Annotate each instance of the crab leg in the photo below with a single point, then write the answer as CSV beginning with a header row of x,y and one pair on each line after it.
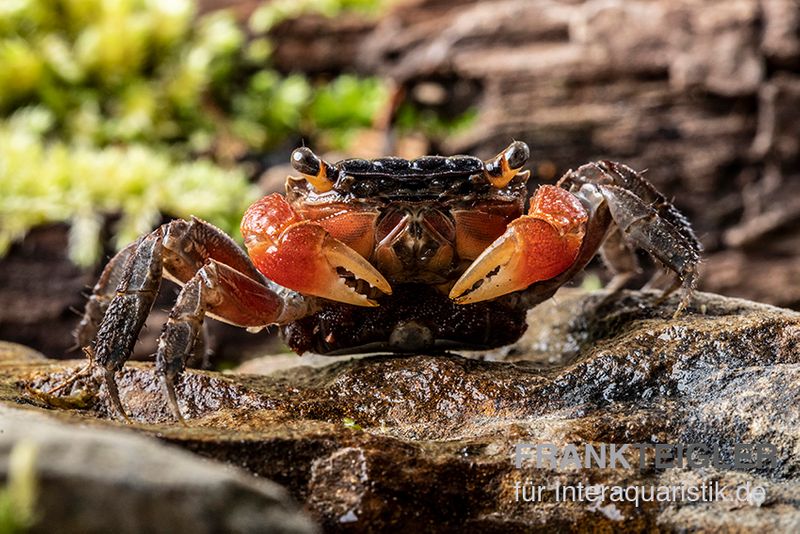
x,y
102,293
221,292
642,226
183,239
643,217
534,247
183,250
128,310
620,259
303,256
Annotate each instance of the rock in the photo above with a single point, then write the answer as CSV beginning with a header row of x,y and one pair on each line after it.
x,y
428,441
91,479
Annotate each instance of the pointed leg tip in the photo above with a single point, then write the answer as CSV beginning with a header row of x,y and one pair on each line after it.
x,y
172,398
683,305
113,395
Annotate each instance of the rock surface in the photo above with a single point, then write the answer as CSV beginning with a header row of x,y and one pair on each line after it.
x,y
377,442
91,479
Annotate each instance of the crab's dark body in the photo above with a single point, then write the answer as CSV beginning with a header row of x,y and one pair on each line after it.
x,y
431,177
415,319
426,178
422,195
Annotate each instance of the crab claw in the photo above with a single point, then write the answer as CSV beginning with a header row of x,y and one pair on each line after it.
x,y
301,255
535,247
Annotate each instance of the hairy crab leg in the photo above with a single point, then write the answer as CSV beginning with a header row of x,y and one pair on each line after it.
x,y
609,173
179,250
183,238
302,255
102,293
537,246
642,226
620,259
644,217
128,311
201,355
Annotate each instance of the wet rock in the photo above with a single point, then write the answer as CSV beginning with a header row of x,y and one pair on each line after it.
x,y
91,479
428,441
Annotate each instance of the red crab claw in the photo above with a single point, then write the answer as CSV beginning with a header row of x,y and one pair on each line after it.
x,y
535,247
303,256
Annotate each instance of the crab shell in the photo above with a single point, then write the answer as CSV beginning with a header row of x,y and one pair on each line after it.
x,y
411,254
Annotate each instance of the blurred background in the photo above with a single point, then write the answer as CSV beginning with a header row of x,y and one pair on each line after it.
x,y
116,115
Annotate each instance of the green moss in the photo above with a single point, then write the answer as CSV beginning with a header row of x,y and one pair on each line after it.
x,y
344,106
351,424
153,72
591,282
272,13
432,124
43,182
108,105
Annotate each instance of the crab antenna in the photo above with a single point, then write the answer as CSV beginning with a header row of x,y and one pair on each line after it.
x,y
503,167
313,168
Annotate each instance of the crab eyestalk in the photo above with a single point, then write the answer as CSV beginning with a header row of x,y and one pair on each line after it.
x,y
535,247
501,169
313,168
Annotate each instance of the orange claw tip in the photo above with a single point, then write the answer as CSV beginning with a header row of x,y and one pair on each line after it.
x,y
500,256
339,291
530,250
340,255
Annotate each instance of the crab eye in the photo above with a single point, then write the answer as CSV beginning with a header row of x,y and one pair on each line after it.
x,y
517,154
313,169
503,167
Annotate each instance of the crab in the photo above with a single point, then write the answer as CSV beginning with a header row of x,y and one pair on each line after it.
x,y
430,254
